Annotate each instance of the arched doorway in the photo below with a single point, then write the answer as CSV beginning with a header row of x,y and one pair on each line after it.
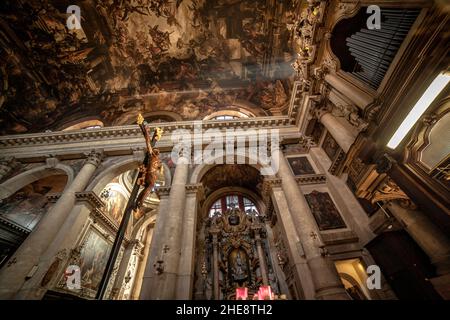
x,y
233,247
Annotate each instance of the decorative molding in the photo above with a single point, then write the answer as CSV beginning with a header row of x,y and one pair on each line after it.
x,y
338,163
338,237
91,198
53,197
311,179
269,183
13,225
112,225
387,190
133,131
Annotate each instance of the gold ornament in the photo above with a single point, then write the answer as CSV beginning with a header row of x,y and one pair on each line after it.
x,y
140,119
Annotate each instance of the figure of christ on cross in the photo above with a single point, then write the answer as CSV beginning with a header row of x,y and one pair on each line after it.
x,y
150,169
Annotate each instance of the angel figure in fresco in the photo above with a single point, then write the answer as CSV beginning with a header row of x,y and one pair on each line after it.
x,y
148,172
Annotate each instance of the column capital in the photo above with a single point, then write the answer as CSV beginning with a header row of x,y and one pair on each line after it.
x,y
94,157
163,192
320,112
270,183
196,190
384,163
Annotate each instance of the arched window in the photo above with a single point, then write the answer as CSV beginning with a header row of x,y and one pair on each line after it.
x,y
229,115
85,125
233,201
225,118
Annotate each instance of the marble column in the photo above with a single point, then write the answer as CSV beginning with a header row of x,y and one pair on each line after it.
x,y
185,280
24,263
141,267
155,251
216,267
164,284
343,135
261,258
324,274
297,262
426,234
352,92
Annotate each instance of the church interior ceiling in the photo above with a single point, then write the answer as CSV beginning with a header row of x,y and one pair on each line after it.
x,y
191,57
232,175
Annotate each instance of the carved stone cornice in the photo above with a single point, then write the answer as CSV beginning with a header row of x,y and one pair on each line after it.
x,y
132,131
338,163
311,179
12,225
105,219
91,198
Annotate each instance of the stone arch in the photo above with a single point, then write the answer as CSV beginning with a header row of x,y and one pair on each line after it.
x,y
239,108
12,185
114,170
82,124
131,118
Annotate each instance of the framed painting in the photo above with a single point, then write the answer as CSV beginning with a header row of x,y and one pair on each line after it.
x,y
325,212
330,146
93,258
300,165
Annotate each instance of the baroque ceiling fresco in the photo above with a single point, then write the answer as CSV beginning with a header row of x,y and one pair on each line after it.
x,y
190,57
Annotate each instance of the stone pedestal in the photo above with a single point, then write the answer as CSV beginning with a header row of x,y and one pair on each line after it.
x,y
324,274
27,257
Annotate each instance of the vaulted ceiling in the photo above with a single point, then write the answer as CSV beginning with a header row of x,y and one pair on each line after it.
x,y
190,57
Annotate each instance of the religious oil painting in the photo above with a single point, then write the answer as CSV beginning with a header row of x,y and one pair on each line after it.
x,y
330,146
300,166
94,256
325,212
115,200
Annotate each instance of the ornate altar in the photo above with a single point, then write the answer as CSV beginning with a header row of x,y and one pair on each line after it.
x,y
236,254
